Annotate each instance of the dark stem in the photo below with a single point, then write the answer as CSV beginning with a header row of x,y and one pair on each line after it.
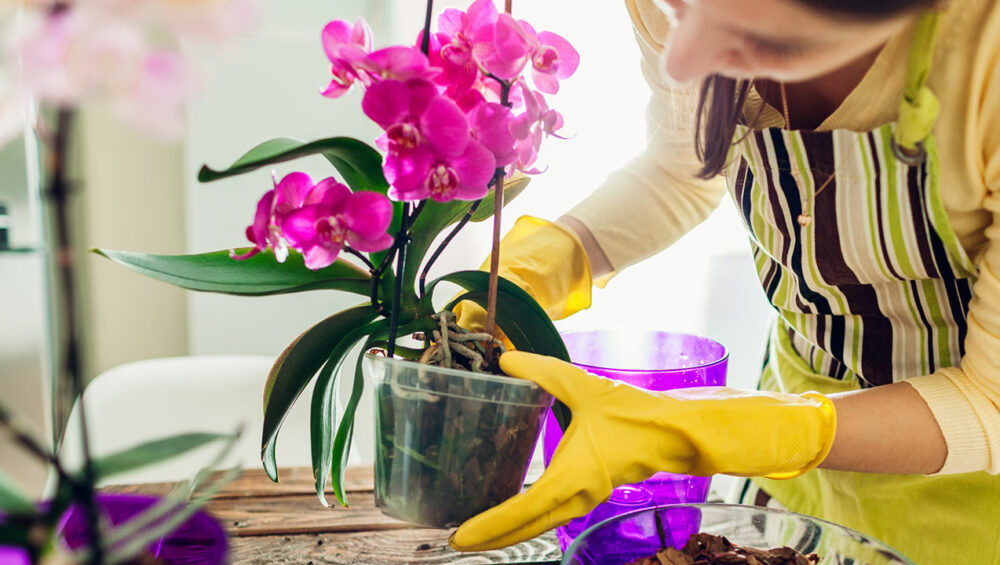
x,y
402,239
425,42
58,192
506,6
25,439
361,256
447,240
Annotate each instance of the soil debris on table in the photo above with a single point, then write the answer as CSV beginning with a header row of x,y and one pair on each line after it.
x,y
708,549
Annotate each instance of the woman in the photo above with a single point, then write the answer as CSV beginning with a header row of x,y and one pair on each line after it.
x,y
861,142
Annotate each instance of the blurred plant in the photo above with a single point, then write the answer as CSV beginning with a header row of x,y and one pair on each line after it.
x,y
461,111
55,56
33,529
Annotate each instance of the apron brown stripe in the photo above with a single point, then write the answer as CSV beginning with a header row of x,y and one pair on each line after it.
x,y
931,345
920,221
878,190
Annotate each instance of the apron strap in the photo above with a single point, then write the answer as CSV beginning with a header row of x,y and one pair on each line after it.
x,y
918,110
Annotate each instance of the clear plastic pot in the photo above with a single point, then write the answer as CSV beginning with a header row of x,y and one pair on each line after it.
x,y
450,443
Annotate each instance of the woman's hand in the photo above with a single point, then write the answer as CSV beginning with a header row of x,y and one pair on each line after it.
x,y
621,434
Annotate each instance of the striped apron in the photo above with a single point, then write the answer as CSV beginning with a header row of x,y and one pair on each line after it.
x,y
871,286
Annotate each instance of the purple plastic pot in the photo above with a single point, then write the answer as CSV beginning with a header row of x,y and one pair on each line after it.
x,y
198,541
653,361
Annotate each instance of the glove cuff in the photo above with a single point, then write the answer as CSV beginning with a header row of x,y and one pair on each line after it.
x,y
828,415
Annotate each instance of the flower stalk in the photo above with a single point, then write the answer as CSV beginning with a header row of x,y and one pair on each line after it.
x,y
58,192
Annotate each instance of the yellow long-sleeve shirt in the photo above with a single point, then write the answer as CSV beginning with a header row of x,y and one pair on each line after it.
x,y
655,199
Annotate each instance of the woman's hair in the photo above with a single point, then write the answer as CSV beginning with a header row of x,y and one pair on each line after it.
x,y
720,103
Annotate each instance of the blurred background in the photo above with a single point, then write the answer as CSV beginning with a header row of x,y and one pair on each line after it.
x,y
139,193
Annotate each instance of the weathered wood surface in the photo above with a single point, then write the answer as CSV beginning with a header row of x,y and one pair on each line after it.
x,y
277,523
416,546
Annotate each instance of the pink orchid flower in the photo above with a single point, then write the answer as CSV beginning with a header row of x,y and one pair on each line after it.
x,y
333,217
263,232
552,57
345,45
463,40
529,128
398,62
431,152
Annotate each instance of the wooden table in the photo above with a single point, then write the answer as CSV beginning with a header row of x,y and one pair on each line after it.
x,y
276,523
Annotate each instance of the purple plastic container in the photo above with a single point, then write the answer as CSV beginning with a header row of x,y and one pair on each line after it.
x,y
198,541
653,361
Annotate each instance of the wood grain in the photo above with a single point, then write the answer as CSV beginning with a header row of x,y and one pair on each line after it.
x,y
283,523
416,546
299,514
254,482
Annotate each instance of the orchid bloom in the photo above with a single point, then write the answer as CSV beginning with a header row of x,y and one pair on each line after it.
x,y
530,126
398,63
318,219
345,45
463,40
332,217
431,151
551,57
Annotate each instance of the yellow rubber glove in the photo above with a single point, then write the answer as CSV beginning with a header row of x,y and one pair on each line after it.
x,y
621,434
545,259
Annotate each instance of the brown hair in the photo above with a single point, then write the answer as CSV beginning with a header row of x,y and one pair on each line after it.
x,y
720,102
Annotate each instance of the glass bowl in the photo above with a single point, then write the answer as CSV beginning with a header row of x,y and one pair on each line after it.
x,y
642,533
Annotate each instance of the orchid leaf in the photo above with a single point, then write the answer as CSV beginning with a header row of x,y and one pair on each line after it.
x,y
296,366
259,275
359,163
437,216
151,452
12,499
345,431
323,418
512,187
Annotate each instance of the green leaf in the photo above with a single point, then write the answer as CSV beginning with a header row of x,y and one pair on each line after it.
x,y
151,452
436,216
12,499
359,163
259,275
323,418
512,187
296,366
345,431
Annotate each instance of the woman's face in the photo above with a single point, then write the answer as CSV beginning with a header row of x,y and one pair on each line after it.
x,y
782,40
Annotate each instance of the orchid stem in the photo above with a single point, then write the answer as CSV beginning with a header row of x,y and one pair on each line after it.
x,y
491,296
361,256
401,240
425,41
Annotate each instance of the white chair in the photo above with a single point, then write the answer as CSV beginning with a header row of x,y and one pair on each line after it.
x,y
152,399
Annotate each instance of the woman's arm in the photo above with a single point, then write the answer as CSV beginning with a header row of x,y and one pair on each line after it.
x,y
907,440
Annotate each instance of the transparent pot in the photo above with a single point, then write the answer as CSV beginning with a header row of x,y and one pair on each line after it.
x,y
450,443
